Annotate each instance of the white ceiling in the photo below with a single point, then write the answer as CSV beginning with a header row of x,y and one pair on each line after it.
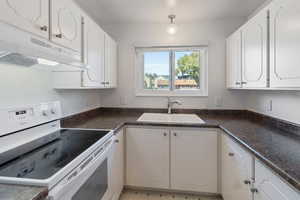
x,y
156,11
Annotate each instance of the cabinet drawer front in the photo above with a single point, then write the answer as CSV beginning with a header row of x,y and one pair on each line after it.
x,y
271,187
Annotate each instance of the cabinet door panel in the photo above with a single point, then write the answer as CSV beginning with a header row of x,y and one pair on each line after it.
x,y
194,160
29,15
254,51
66,24
118,166
234,62
94,54
236,168
147,158
285,43
270,187
110,62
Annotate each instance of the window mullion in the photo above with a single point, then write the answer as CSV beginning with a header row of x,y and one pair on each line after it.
x,y
172,69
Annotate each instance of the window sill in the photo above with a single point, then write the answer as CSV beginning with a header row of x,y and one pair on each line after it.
x,y
171,94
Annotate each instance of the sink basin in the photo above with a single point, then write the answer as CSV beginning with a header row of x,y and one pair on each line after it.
x,y
171,118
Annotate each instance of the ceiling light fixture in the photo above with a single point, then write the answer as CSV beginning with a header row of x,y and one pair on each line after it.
x,y
172,28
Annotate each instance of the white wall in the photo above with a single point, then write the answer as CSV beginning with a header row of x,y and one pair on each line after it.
x,y
22,86
285,104
214,32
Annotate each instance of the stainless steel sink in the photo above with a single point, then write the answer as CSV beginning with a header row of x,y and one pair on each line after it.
x,y
171,118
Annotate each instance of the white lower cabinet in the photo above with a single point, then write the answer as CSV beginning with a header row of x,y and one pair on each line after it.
x,y
165,158
118,166
194,160
147,158
246,178
270,187
236,171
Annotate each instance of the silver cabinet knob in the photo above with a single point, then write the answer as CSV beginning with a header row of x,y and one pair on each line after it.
x,y
165,134
117,141
238,83
175,134
58,35
254,190
243,83
247,182
44,28
231,154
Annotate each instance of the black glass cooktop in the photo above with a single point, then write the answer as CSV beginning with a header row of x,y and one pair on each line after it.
x,y
46,160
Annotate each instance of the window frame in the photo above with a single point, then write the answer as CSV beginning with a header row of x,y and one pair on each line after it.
x,y
171,91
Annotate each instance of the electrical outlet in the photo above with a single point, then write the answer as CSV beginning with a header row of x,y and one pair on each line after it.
x,y
269,106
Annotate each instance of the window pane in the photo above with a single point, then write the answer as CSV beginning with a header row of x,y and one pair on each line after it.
x,y
187,70
156,70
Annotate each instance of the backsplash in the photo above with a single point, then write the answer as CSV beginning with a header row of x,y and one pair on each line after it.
x,y
21,86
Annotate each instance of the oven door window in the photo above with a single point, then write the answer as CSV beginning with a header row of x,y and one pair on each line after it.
x,y
96,186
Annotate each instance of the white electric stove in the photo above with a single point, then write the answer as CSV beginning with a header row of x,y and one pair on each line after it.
x,y
34,150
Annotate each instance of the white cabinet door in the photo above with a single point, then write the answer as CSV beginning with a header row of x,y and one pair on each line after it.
x,y
147,158
285,44
94,54
66,23
110,62
270,187
236,171
234,60
29,15
254,51
118,166
194,160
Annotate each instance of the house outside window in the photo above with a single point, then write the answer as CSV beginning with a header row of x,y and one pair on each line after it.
x,y
171,71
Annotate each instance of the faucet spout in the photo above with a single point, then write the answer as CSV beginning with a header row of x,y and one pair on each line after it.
x,y
171,103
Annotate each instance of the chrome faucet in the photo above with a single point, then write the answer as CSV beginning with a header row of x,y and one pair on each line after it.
x,y
171,103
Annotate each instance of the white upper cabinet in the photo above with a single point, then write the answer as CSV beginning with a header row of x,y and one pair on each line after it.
x,y
285,44
254,51
236,171
234,60
66,24
111,49
28,15
270,187
194,160
94,50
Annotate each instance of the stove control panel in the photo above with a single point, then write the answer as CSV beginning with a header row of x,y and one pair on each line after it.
x,y
15,119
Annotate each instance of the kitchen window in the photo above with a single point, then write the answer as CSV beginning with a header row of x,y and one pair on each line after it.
x,y
171,71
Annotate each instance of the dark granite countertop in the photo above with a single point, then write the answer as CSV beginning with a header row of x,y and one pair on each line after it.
x,y
275,142
18,192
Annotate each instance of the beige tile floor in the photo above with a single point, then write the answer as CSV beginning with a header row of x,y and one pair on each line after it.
x,y
144,195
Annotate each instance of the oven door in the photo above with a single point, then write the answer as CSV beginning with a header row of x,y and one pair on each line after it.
x,y
91,183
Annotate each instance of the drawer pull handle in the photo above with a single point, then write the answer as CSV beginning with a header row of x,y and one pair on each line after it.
x,y
254,190
165,134
247,182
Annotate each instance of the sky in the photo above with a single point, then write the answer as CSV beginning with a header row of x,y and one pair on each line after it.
x,y
158,62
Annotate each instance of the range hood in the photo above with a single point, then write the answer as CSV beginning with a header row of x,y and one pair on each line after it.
x,y
25,49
